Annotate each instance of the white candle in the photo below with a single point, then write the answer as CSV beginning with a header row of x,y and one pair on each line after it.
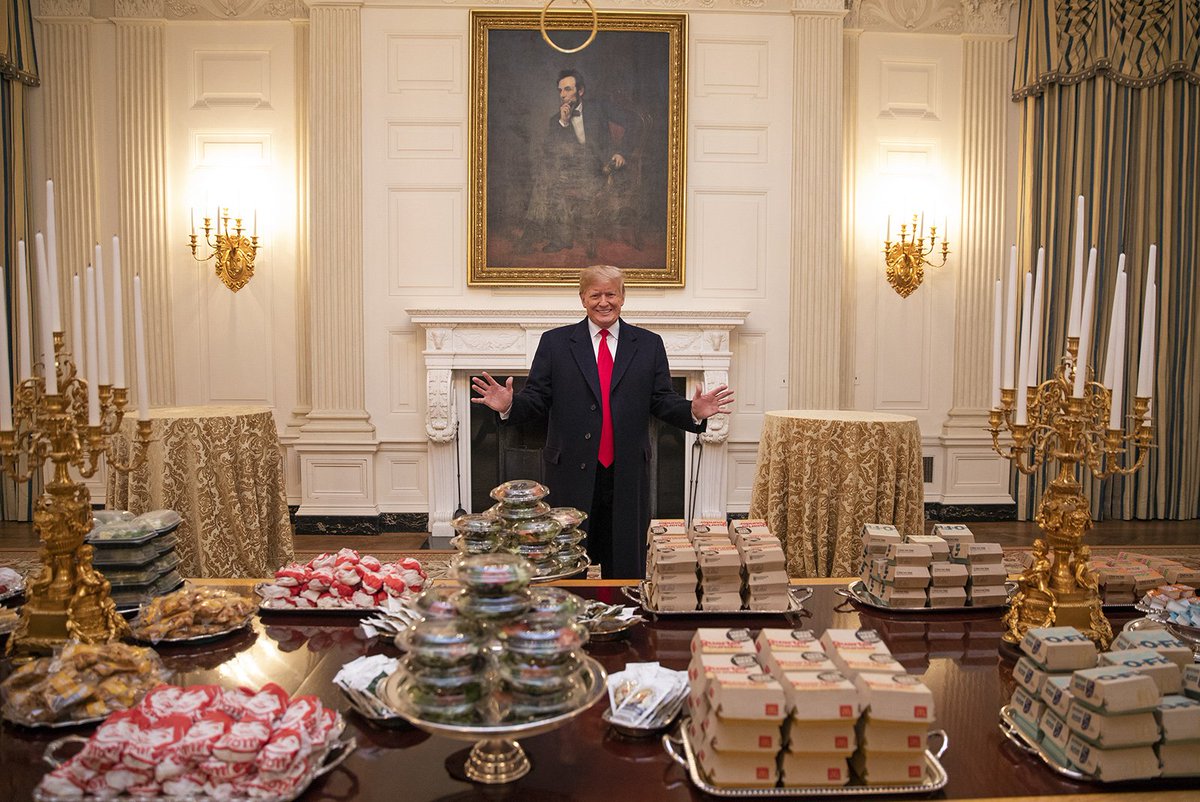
x,y
139,351
1118,362
6,420
1035,322
192,214
997,337
89,311
52,252
77,327
49,364
1145,381
24,328
1022,396
1077,274
118,317
101,321
1110,353
1010,320
1085,326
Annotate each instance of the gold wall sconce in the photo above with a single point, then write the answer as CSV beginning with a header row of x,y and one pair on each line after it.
x,y
231,249
907,258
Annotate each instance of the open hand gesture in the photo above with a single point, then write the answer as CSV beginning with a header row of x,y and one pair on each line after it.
x,y
705,405
494,395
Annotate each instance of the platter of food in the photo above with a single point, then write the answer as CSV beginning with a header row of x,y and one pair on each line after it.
x,y
192,616
342,583
856,591
640,595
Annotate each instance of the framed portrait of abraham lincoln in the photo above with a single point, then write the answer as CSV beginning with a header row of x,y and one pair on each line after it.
x,y
576,158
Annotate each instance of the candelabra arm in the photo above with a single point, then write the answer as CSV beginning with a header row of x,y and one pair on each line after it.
x,y
139,450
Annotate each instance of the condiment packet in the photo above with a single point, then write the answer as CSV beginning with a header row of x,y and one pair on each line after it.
x,y
391,624
644,693
363,673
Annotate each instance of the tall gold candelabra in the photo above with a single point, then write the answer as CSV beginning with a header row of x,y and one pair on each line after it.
x,y
232,252
68,599
1059,588
907,257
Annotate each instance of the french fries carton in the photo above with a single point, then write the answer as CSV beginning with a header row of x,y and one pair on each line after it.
x,y
1160,640
987,595
976,553
814,769
1059,648
888,768
737,735
947,575
667,526
953,533
906,577
715,640
821,696
916,554
1112,765
1178,718
1115,731
1056,694
947,597
1110,690
938,547
986,574
876,735
895,697
1179,758
750,696
1165,673
737,768
831,737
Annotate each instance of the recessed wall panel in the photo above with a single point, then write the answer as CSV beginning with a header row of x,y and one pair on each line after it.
x,y
902,358
751,371
425,63
730,144
231,78
404,363
730,240
425,238
728,67
909,89
408,139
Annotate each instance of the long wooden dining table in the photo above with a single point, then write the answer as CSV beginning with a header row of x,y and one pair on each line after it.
x,y
959,655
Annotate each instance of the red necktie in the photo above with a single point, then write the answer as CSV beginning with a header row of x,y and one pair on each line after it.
x,y
604,363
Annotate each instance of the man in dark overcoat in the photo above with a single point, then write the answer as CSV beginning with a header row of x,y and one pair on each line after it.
x,y
597,454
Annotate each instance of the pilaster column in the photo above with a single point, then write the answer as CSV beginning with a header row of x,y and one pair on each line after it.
x,y
300,73
142,184
817,251
851,34
974,473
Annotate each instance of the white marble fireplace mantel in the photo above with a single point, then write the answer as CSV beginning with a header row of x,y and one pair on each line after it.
x,y
461,341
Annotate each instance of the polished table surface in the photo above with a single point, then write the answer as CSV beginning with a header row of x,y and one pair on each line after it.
x,y
822,474
959,656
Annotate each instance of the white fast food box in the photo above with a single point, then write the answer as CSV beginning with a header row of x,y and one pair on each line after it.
x,y
1055,730
865,640
786,662
909,554
1112,732
1110,689
1059,648
1029,675
752,696
667,526
987,595
834,737
735,735
713,640
1027,706
1191,681
905,576
938,547
947,574
947,597
1160,640
953,533
704,666
821,696
891,736
787,640
854,663
721,601
1179,759
886,530
1112,765
895,697
1179,719
977,553
1165,673
889,768
814,769
1056,693
986,574
737,768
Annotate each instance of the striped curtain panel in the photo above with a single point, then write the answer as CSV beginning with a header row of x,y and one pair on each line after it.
x,y
18,72
1110,95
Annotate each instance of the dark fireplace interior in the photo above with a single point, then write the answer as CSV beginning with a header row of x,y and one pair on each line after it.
x,y
502,453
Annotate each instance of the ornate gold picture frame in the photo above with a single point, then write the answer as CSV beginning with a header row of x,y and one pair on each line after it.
x,y
577,158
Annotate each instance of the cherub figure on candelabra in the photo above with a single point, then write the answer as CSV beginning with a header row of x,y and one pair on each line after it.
x,y
1034,590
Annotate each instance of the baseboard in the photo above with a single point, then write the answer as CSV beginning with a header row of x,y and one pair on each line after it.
x,y
358,524
966,513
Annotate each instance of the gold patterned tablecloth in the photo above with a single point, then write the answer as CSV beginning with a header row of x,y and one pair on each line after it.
x,y
823,474
222,470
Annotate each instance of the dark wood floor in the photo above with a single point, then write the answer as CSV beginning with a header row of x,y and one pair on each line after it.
x,y
1007,533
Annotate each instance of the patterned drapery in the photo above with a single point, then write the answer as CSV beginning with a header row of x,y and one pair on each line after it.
x,y
18,71
1110,95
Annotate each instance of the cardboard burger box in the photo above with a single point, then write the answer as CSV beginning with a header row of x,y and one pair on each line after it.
x,y
1056,694
746,696
947,574
1191,681
821,696
1112,765
884,530
888,768
905,576
721,601
948,597
749,526
763,558
1115,731
1160,640
716,561
673,582
916,554
670,600
737,735
977,553
667,526
737,768
953,533
893,596
1178,759
703,666
767,602
1182,575
708,526
986,574
1165,673
744,542
1179,719
814,769
854,663
938,547
987,595
1110,689
875,735
673,557
1059,648
1027,707
1055,731
715,640
895,697
787,640
830,737
788,662
865,640
1115,579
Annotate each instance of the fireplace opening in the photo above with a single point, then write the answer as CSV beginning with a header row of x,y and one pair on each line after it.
x,y
502,453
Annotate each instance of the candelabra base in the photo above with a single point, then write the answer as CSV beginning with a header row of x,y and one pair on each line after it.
x,y
1032,608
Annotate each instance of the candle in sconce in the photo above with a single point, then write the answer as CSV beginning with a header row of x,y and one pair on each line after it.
x,y
1110,352
1118,359
89,311
101,321
192,215
1010,320
887,235
52,253
1145,379
24,327
1073,320
139,351
1035,323
77,327
6,418
118,303
49,363
1022,417
1085,326
997,337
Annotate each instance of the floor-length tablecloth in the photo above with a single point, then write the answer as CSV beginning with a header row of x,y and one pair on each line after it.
x,y
222,470
822,474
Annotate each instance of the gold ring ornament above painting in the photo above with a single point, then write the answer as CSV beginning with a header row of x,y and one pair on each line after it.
x,y
546,34
232,252
907,258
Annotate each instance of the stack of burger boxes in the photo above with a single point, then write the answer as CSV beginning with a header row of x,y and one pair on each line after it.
x,y
720,565
905,578
671,564
893,729
947,580
1112,723
1127,577
1042,701
954,534
875,540
764,567
985,572
737,710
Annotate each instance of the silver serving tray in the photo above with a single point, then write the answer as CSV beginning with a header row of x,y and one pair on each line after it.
x,y
294,611
55,725
581,566
612,633
1022,741
191,640
680,750
856,592
797,595
364,705
660,725
335,752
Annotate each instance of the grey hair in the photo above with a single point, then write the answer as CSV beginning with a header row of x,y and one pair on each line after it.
x,y
601,273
